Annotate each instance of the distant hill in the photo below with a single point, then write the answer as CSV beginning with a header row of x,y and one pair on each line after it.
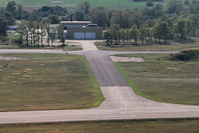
x,y
73,3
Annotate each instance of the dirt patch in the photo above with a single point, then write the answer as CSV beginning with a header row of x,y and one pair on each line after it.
x,y
11,58
126,59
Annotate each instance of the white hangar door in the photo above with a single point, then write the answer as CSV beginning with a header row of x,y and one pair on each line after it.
x,y
90,35
79,35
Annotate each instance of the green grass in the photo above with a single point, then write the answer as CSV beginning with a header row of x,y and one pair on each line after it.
x,y
47,81
159,126
73,3
162,80
173,46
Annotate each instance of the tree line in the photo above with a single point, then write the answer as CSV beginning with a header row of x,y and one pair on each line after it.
x,y
177,20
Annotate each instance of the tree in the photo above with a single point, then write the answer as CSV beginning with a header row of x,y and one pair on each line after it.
x,y
61,35
121,18
180,30
195,8
52,36
24,32
32,32
53,19
189,29
9,17
99,16
134,33
149,4
3,25
142,32
137,18
79,16
162,31
175,6
195,23
158,10
12,8
107,37
114,34
47,29
19,12
85,7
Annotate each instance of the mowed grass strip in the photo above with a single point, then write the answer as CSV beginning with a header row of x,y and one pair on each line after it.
x,y
162,80
47,81
159,126
172,46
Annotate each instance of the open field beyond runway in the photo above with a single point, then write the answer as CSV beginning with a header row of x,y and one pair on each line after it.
x,y
162,80
73,3
47,81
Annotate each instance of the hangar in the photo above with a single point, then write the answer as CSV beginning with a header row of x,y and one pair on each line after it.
x,y
82,30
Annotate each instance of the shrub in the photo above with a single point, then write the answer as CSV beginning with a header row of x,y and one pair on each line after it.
x,y
185,55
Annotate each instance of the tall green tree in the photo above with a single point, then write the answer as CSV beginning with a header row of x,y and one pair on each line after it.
x,y
53,19
121,18
115,34
19,12
134,33
12,8
9,17
3,25
162,31
99,16
175,6
85,7
61,35
180,30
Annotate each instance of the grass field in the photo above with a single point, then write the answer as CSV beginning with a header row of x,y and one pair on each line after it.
x,y
159,126
173,46
162,80
73,3
47,81
66,48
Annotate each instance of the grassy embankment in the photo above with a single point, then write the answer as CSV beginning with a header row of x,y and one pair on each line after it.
x,y
47,81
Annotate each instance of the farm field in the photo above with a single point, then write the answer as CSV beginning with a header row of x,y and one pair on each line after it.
x,y
73,3
162,80
47,81
158,126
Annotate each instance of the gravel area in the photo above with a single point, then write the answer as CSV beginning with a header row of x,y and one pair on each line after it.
x,y
126,59
11,58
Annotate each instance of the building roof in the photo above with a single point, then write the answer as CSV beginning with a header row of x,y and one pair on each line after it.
x,y
12,27
53,25
75,22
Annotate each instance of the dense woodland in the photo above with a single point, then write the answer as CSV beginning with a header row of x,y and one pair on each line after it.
x,y
156,23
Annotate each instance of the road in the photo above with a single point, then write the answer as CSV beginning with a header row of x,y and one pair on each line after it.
x,y
120,101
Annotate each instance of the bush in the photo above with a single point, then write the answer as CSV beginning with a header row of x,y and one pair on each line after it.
x,y
149,4
185,55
